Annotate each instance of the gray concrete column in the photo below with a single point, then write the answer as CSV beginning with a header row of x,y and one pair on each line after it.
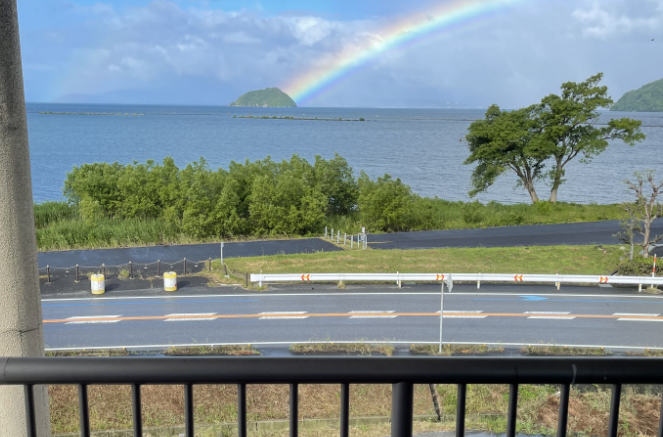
x,y
20,307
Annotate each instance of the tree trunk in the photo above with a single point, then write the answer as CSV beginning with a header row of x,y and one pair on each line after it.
x,y
436,403
645,242
532,192
557,181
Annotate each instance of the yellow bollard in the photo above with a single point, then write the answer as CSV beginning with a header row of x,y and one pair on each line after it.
x,y
170,281
98,284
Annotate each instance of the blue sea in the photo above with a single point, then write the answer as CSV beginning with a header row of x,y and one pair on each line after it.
x,y
425,148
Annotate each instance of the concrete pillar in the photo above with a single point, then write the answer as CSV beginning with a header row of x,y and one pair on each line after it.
x,y
20,307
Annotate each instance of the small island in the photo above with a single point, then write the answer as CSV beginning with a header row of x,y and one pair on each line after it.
x,y
648,98
267,98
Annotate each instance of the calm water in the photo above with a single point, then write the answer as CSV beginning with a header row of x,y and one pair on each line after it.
x,y
420,146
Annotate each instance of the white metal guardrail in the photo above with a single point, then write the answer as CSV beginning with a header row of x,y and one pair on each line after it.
x,y
457,277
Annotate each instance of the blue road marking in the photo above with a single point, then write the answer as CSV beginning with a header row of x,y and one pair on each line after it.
x,y
529,298
146,303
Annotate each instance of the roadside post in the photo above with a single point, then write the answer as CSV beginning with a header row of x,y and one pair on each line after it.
x,y
441,313
345,238
338,237
352,240
558,284
325,231
222,253
653,270
331,236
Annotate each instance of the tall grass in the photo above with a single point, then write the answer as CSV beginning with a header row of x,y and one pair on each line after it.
x,y
434,214
60,227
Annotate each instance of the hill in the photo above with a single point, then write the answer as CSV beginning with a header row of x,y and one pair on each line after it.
x,y
648,98
268,98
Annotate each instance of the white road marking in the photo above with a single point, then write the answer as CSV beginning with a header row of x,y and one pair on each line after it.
x,y
461,311
547,312
283,312
551,317
181,317
464,317
626,319
282,315
635,314
365,315
423,293
80,320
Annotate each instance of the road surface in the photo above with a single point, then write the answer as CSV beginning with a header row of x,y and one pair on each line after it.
x,y
383,314
598,233
540,235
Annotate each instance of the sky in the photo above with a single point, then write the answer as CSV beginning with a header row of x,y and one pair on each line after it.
x,y
208,52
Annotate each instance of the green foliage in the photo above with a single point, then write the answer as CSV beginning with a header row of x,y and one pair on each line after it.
x,y
648,98
269,97
559,129
640,267
385,204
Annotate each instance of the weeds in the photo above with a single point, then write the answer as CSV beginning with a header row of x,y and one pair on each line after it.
x,y
559,350
348,348
232,350
453,349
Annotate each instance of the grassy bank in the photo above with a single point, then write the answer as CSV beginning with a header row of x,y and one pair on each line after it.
x,y
537,259
59,226
110,407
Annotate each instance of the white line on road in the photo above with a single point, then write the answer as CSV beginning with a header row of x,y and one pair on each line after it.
x,y
547,312
80,320
552,317
422,293
635,314
461,311
282,315
626,319
284,312
365,315
469,316
182,317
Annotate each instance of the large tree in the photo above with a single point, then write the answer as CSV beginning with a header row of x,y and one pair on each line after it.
x,y
568,126
507,140
556,131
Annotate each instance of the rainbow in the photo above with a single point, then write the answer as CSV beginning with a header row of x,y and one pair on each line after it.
x,y
331,71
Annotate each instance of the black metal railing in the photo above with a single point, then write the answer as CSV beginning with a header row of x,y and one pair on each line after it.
x,y
403,373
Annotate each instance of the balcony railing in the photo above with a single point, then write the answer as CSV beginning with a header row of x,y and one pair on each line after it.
x,y
403,373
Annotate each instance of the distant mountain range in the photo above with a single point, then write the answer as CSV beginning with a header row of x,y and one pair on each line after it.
x,y
267,98
648,98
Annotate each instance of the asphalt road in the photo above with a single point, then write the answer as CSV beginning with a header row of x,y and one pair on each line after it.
x,y
540,235
598,233
192,252
383,314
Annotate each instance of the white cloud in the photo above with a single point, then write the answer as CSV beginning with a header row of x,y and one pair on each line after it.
x,y
513,57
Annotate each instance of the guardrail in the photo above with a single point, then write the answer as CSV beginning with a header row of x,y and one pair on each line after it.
x,y
449,278
403,373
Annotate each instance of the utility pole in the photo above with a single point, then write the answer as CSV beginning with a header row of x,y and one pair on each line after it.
x,y
21,333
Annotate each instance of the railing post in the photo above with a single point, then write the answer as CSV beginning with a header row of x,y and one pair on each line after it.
x,y
402,398
76,272
30,411
613,423
158,267
48,273
137,410
185,266
241,410
513,411
562,421
293,410
188,410
345,410
460,410
84,410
